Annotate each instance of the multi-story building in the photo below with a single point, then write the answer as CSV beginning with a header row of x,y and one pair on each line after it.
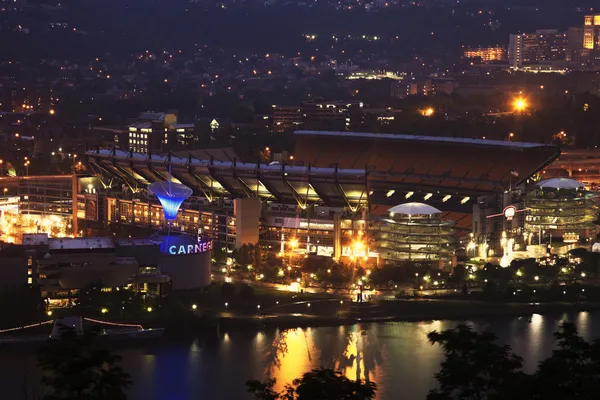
x,y
543,46
333,115
486,54
591,41
515,51
591,32
318,114
423,87
14,98
574,44
286,118
153,132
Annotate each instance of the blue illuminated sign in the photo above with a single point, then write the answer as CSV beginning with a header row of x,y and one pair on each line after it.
x,y
200,247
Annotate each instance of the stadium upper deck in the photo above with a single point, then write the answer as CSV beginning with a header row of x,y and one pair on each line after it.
x,y
344,169
464,165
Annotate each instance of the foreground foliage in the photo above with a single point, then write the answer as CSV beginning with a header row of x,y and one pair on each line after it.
x,y
74,370
319,384
476,368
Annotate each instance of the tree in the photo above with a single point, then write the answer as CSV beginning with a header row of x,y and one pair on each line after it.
x,y
72,370
318,384
476,368
573,370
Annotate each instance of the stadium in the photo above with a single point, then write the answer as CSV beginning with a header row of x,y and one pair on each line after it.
x,y
331,199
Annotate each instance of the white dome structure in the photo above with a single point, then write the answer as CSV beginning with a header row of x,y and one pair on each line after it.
x,y
414,209
414,231
560,183
561,207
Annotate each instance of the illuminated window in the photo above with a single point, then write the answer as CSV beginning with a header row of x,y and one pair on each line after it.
x,y
29,281
29,261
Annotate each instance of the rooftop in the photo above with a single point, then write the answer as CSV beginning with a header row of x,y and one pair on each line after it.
x,y
414,209
35,239
81,243
422,138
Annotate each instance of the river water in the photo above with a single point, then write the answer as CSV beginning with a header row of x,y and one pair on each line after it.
x,y
395,355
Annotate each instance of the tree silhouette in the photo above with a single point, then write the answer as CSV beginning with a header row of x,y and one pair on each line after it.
x,y
476,368
318,384
73,370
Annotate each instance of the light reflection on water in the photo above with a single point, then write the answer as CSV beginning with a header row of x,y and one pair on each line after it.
x,y
395,355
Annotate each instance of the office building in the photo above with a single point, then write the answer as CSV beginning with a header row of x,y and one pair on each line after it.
x,y
591,32
286,118
542,47
153,132
574,45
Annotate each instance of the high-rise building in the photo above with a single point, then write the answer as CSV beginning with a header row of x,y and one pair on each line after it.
x,y
543,46
574,44
515,51
591,41
591,32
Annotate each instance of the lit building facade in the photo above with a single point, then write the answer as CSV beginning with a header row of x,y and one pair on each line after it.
x,y
543,46
561,208
591,32
414,232
486,54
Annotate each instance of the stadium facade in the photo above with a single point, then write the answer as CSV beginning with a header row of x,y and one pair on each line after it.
x,y
334,195
338,198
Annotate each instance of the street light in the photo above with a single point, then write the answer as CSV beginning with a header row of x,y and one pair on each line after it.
x,y
520,104
428,112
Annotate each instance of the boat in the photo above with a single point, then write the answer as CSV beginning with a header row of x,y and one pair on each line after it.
x,y
116,332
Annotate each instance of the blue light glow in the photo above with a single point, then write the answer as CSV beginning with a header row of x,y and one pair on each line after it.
x,y
171,196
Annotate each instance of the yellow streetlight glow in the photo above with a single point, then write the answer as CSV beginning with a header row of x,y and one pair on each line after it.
x,y
520,104
428,112
294,243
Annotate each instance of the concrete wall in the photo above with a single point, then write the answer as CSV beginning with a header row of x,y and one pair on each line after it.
x,y
187,271
13,272
247,216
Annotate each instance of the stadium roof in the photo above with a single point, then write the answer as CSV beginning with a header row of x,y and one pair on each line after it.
x,y
422,139
343,169
426,162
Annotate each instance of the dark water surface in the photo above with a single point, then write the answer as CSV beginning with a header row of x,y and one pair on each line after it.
x,y
395,355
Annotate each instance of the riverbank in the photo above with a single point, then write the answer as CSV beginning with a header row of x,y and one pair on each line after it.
x,y
408,311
